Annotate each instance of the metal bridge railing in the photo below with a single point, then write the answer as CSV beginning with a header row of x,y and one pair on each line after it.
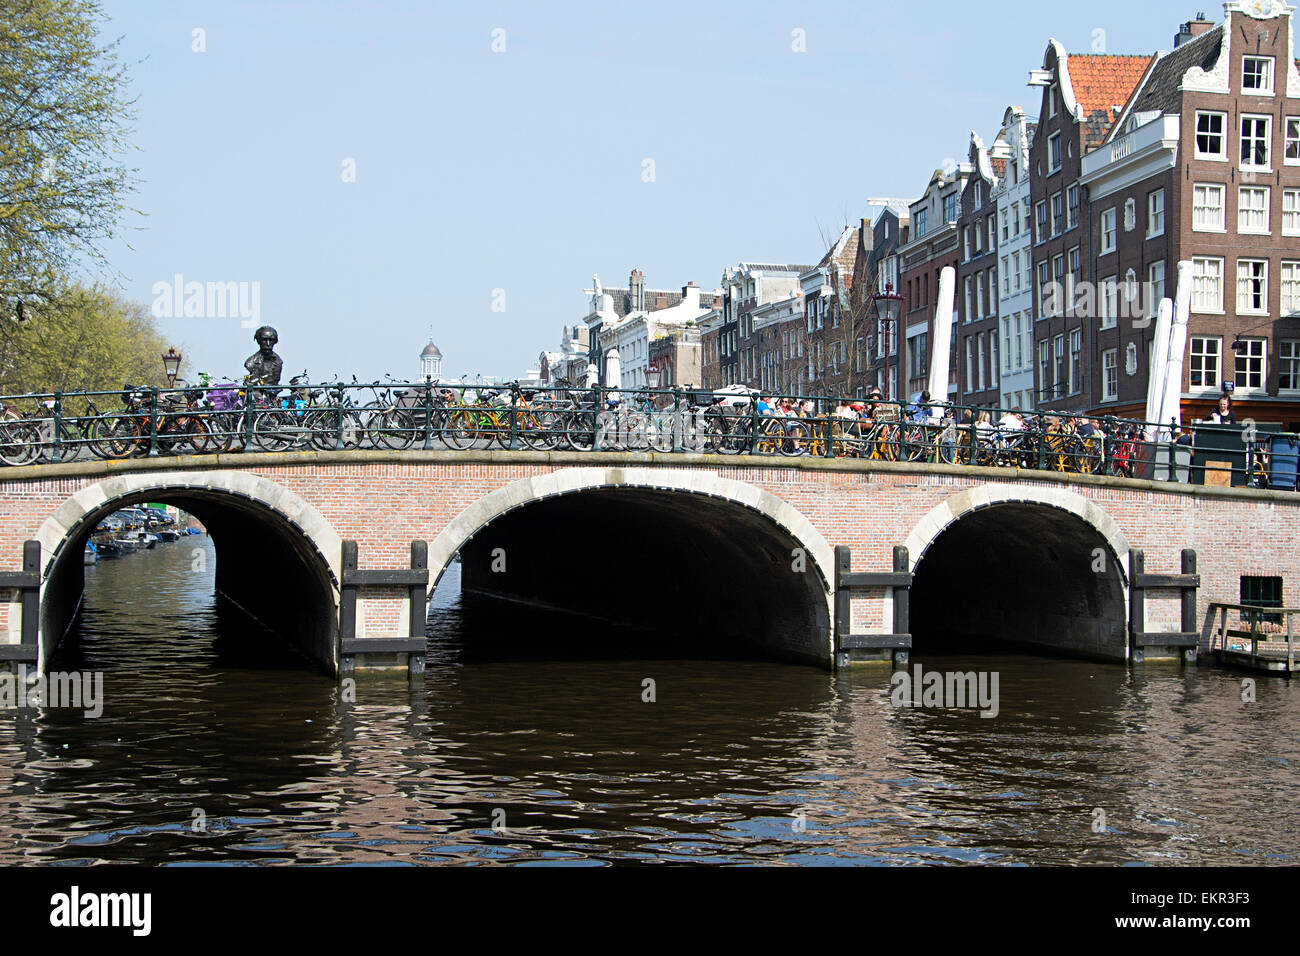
x,y
235,417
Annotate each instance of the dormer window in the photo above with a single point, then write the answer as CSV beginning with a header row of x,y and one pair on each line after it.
x,y
1257,75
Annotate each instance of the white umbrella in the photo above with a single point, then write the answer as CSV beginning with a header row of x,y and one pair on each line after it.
x,y
1159,362
942,343
1171,409
613,371
593,375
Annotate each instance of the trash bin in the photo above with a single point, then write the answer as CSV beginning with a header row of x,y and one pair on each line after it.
x,y
1284,450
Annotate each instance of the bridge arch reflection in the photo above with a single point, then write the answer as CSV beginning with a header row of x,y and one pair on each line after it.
x,y
277,556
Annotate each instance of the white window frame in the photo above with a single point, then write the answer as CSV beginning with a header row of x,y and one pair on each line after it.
x,y
1249,208
1056,213
1154,304
1222,155
1291,143
1254,357
1044,366
1074,372
1267,63
1108,231
1252,286
1058,364
1267,165
1073,274
1110,375
1207,287
1044,270
1209,190
1198,349
1054,153
1288,358
1108,301
1155,213
1291,198
1072,207
1289,287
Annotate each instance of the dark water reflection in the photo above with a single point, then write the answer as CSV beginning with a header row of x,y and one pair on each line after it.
x,y
736,762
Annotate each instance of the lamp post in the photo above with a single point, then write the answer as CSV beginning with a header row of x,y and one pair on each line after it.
x,y
171,365
652,377
887,305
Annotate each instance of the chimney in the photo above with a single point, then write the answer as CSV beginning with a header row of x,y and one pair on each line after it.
x,y
636,289
1192,29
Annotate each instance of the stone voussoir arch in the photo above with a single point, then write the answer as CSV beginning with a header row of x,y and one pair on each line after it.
x,y
951,510
68,519
524,491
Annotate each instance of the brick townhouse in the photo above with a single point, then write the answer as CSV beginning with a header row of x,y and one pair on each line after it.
x,y
977,276
1082,97
931,246
1204,166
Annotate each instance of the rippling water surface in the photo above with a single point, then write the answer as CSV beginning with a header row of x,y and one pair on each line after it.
x,y
200,759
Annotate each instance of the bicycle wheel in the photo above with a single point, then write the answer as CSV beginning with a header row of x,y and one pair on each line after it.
x,y
953,451
771,436
797,438
1088,460
190,433
722,437
533,433
887,446
326,432
122,437
20,442
392,429
272,430
577,429
461,429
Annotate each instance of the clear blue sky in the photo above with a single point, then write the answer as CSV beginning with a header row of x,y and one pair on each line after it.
x,y
522,170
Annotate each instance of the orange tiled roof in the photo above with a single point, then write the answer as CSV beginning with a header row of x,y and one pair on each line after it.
x,y
999,166
1103,83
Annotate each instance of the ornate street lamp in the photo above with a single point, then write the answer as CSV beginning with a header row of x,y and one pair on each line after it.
x,y
888,304
172,365
652,377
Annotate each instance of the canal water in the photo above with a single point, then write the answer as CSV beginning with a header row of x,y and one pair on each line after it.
x,y
201,756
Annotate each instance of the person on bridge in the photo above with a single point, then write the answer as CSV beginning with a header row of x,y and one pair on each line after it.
x,y
1223,415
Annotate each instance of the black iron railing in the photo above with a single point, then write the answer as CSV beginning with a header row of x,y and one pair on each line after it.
x,y
229,417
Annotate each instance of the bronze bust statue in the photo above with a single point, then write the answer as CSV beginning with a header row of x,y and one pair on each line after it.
x,y
264,365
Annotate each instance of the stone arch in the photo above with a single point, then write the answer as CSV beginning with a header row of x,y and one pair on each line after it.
x,y
769,511
1020,565
948,512
305,549
68,518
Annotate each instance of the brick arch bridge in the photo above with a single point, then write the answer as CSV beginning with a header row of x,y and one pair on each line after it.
x,y
823,561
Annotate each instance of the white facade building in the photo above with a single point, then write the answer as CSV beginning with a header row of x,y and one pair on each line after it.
x,y
1015,239
632,334
431,362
